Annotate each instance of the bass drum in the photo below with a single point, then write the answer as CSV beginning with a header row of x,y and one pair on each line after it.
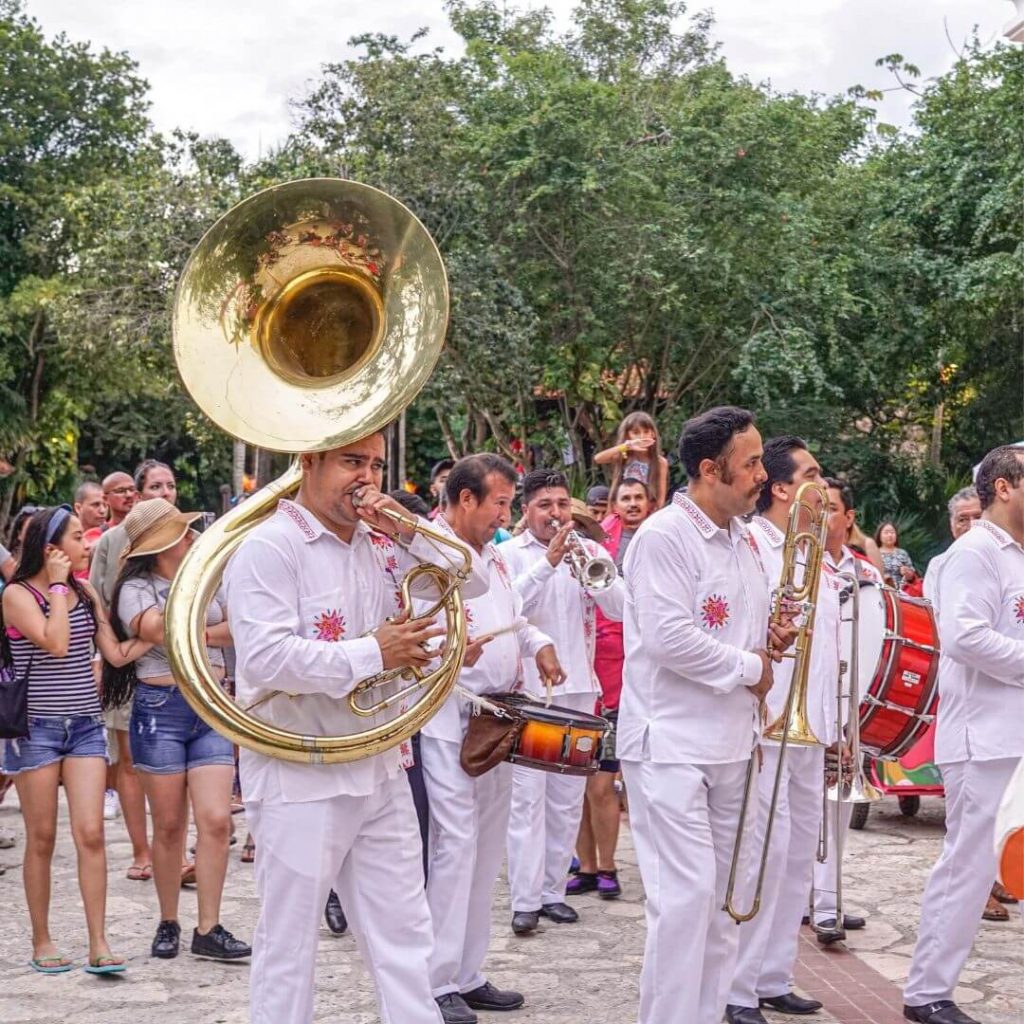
x,y
898,662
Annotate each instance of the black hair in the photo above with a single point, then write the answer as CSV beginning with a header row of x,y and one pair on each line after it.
x,y
470,474
411,502
632,481
845,492
709,436
118,682
1003,463
32,560
439,467
144,467
14,537
538,479
779,464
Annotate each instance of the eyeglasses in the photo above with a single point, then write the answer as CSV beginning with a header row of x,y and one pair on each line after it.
x,y
122,490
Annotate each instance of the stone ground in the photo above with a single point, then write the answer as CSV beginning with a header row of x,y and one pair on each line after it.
x,y
580,974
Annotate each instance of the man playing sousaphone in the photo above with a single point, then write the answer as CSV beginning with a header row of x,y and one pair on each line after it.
x,y
304,589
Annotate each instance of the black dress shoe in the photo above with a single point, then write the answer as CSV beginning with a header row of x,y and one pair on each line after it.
x,y
455,1010
334,915
168,935
525,921
790,1002
945,1011
827,932
852,923
219,944
487,997
744,1015
560,913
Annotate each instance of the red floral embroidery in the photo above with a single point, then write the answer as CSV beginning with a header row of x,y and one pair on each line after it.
x,y
329,625
499,564
715,611
380,540
1018,609
391,563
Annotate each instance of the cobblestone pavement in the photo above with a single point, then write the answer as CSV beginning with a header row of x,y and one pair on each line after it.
x,y
572,974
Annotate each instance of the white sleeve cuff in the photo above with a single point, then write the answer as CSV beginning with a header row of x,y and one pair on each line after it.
x,y
364,656
751,665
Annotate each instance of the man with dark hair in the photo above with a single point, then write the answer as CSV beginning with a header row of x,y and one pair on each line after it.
x,y
311,595
469,816
546,806
842,515
597,501
768,943
438,478
697,666
978,736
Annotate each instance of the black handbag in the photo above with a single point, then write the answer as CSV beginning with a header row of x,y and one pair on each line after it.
x,y
14,702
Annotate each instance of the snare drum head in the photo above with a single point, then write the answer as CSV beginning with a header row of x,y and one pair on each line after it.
x,y
561,716
871,634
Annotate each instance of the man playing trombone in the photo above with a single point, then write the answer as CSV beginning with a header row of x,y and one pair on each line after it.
x,y
697,665
546,806
768,942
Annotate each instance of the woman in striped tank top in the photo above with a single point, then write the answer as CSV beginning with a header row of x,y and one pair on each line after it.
x,y
51,623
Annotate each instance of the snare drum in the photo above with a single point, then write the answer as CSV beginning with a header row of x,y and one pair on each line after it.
x,y
898,661
555,739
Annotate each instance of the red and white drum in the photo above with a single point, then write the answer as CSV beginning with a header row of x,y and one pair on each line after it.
x,y
898,662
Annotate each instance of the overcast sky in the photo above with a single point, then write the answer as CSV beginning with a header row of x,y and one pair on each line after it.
x,y
230,68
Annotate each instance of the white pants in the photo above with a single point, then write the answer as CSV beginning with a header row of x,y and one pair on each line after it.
x,y
768,943
367,848
961,880
543,826
468,823
825,873
684,819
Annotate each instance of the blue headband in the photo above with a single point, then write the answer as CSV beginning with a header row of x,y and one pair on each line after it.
x,y
60,517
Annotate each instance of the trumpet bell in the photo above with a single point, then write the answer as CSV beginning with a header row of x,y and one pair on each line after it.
x,y
857,790
283,310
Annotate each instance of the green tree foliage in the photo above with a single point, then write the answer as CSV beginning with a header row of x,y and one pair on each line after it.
x,y
626,225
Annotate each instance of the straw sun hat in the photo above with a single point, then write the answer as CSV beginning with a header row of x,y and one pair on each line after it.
x,y
155,525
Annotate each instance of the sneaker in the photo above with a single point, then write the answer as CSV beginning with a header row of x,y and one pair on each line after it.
x,y
574,866
454,1009
111,805
7,838
165,945
219,944
581,882
608,887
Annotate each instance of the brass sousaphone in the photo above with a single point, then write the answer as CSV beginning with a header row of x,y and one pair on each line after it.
x,y
309,316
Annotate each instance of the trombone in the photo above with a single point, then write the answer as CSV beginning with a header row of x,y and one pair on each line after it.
x,y
792,726
851,785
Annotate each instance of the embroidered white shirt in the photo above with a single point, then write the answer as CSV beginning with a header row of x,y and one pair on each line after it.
x,y
823,672
299,601
555,602
696,611
500,667
980,608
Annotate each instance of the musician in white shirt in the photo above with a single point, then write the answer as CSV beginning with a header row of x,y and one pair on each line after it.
x,y
697,664
547,807
768,942
842,515
469,816
304,589
978,738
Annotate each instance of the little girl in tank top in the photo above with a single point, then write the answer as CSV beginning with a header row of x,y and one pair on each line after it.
x,y
637,455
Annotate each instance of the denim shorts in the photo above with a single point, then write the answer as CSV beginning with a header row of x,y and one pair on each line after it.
x,y
168,737
53,739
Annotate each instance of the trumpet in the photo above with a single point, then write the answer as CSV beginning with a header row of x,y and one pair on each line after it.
x,y
792,726
592,572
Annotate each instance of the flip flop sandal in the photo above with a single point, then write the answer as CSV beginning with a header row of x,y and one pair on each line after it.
x,y
188,874
51,964
248,853
140,874
105,965
995,911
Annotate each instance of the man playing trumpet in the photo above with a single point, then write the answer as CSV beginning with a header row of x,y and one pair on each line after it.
x,y
547,807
